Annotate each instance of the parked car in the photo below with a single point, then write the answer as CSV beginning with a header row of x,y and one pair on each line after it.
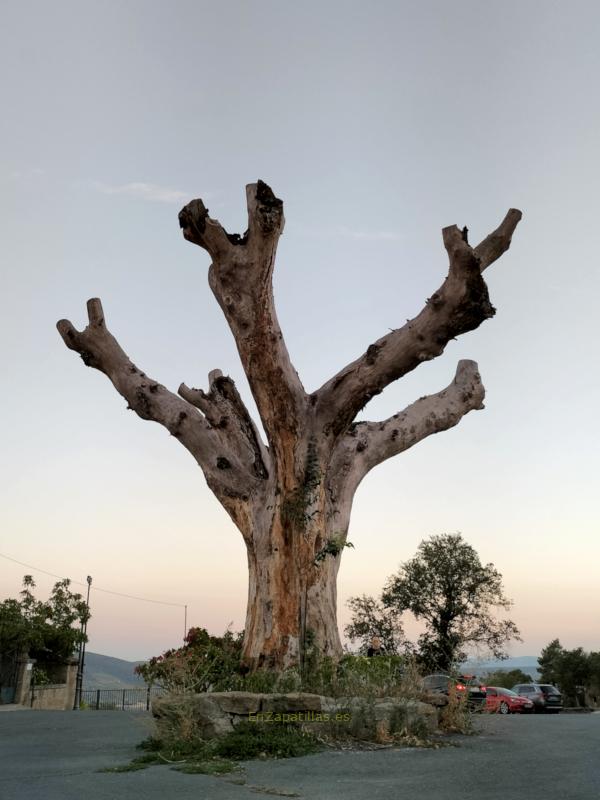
x,y
505,701
545,697
466,686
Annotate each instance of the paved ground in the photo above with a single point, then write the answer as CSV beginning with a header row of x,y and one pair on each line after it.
x,y
54,755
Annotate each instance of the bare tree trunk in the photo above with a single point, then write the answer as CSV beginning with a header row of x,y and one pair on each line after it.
x,y
291,498
292,601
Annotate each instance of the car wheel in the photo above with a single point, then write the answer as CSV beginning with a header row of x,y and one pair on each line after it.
x,y
503,708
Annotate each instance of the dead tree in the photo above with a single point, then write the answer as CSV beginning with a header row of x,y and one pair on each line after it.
x,y
291,497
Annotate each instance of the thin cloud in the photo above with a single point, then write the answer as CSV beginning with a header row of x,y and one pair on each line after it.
x,y
145,191
27,173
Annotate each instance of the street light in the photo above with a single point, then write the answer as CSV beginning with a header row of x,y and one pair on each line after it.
x,y
81,658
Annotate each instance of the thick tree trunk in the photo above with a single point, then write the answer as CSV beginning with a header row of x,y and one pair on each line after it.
x,y
291,498
292,601
294,543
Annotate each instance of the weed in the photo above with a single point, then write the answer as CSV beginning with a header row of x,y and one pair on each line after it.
x,y
256,740
332,547
152,743
218,756
213,767
148,758
455,717
294,509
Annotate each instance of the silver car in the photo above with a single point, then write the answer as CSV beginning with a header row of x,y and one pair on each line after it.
x,y
545,697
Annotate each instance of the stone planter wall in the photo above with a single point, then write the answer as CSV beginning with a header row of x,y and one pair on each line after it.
x,y
215,714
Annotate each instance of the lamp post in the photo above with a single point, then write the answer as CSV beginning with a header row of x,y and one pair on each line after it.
x,y
81,658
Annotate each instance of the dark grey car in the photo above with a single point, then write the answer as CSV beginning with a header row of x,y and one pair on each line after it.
x,y
465,686
545,697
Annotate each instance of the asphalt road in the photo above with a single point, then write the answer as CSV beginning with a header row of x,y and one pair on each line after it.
x,y
53,755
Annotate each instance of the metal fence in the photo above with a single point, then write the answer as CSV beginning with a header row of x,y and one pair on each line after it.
x,y
120,699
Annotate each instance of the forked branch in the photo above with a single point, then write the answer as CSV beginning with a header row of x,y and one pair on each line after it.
x,y
461,304
224,409
240,277
98,348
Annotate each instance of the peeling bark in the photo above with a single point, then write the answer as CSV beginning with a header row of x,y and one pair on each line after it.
x,y
293,495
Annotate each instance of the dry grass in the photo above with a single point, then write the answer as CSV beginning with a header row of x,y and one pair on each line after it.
x,y
455,717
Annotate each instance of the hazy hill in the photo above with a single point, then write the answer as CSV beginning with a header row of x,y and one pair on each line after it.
x,y
528,664
106,672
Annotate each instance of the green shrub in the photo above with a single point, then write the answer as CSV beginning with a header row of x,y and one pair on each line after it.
x,y
270,740
247,741
204,663
213,663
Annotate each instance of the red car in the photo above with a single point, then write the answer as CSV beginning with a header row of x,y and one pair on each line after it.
x,y
504,701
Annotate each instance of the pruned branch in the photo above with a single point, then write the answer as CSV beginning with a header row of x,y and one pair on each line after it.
x,y
367,444
240,277
498,242
208,233
224,409
461,304
99,349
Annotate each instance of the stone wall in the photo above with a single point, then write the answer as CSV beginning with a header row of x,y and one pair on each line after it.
x,y
56,696
51,697
214,714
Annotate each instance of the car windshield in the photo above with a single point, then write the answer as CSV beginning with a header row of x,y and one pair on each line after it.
x,y
549,689
508,692
436,681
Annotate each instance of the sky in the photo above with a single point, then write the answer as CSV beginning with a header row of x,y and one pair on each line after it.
x,y
378,124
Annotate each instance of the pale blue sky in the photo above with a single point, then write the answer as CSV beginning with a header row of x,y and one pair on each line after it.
x,y
377,124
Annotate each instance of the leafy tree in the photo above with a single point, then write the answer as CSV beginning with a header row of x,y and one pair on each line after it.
x,y
448,588
570,670
574,675
594,677
48,631
549,662
204,663
507,678
371,618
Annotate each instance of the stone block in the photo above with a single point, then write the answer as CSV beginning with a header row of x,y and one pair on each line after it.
x,y
292,703
238,702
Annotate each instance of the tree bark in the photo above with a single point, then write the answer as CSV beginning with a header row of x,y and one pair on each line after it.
x,y
292,597
291,498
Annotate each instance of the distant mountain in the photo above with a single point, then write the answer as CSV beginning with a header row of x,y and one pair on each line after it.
x,y
106,672
527,664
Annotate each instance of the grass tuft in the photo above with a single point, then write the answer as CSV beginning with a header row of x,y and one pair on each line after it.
x,y
216,766
255,740
218,756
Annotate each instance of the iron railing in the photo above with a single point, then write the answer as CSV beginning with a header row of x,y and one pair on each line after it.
x,y
120,699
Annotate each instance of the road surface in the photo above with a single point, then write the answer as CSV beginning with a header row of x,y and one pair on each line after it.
x,y
54,755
